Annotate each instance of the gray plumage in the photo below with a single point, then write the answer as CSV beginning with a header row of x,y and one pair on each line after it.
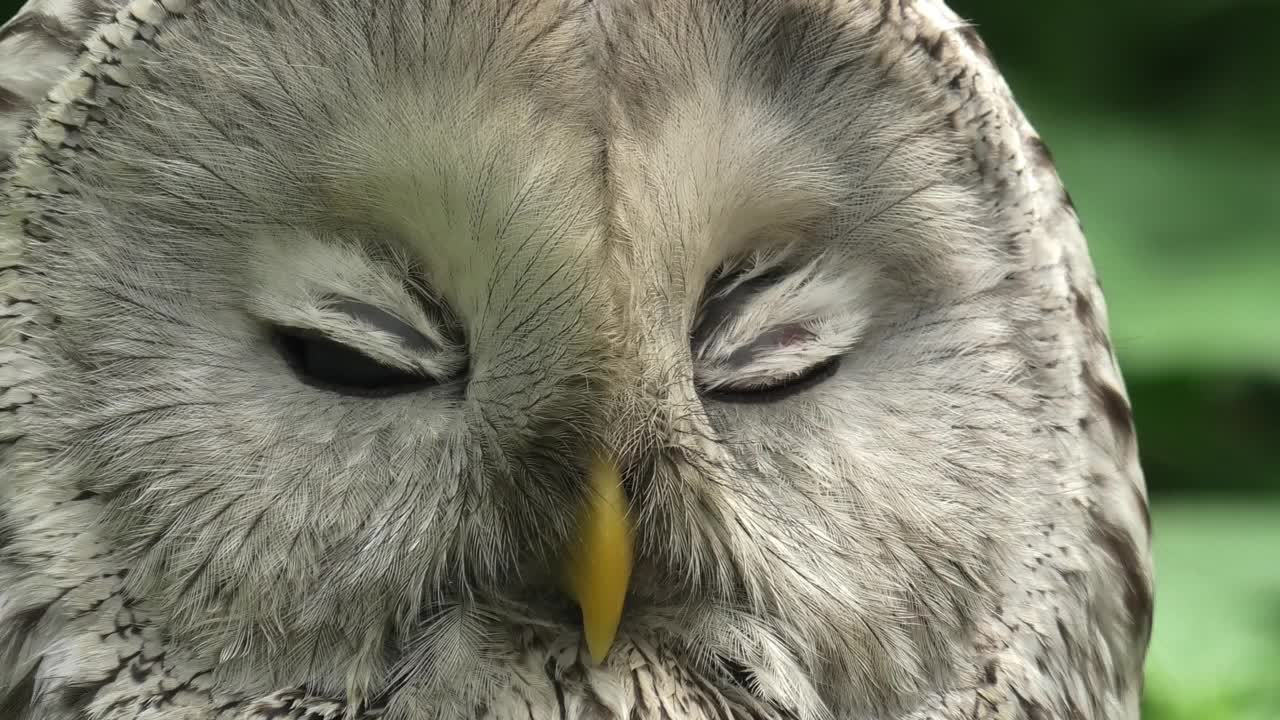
x,y
610,224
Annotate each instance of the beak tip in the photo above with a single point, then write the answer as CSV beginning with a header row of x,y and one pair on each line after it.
x,y
598,647
601,616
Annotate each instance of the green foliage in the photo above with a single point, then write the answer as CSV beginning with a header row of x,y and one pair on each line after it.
x,y
1215,650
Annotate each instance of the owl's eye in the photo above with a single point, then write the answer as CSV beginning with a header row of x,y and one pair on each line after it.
x,y
773,332
326,363
774,364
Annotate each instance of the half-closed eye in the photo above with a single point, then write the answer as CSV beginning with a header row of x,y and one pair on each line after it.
x,y
356,348
764,334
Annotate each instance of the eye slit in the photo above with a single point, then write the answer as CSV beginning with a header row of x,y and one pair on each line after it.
x,y
767,390
325,363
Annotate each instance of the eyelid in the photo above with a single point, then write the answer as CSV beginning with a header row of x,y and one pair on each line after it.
x,y
777,355
727,302
380,334
380,319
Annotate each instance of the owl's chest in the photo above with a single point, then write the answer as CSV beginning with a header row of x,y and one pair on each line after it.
x,y
634,686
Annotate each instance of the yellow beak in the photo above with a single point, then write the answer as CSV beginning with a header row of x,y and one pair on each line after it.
x,y
599,567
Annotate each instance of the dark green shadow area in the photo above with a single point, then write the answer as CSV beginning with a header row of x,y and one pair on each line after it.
x,y
1208,435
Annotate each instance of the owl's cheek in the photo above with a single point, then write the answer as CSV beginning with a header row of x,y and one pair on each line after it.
x,y
835,517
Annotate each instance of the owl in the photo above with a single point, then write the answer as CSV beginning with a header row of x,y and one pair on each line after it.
x,y
549,359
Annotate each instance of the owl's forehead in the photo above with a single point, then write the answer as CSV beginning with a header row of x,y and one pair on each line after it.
x,y
512,145
444,113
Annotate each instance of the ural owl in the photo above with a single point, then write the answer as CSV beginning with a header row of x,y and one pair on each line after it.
x,y
578,359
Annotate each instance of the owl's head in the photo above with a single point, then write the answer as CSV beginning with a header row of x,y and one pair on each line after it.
x,y
357,304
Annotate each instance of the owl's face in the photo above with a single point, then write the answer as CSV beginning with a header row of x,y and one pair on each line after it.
x,y
350,300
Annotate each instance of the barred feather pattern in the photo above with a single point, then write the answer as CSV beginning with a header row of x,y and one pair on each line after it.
x,y
1061,633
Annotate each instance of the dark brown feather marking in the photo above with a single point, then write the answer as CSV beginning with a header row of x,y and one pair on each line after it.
x,y
1138,598
1088,317
16,702
1141,502
990,672
1040,153
971,38
11,101
1113,405
1031,710
1067,202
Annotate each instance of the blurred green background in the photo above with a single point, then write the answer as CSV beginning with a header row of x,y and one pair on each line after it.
x,y
1163,116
